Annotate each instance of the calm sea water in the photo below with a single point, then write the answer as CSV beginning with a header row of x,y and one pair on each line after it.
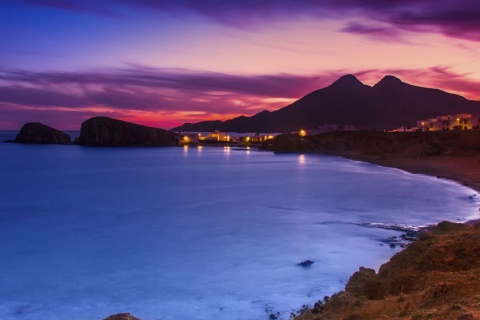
x,y
195,233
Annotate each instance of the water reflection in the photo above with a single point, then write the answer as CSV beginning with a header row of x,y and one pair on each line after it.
x,y
301,159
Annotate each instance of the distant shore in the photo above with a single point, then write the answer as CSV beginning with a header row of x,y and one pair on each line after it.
x,y
465,170
447,270
453,155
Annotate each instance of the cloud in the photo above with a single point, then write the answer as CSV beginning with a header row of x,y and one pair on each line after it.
x,y
167,98
23,95
459,19
373,31
200,82
147,89
149,93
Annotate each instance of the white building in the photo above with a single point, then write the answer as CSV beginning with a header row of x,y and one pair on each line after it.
x,y
460,121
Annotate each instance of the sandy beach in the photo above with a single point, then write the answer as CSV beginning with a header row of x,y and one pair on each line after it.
x,y
465,170
453,155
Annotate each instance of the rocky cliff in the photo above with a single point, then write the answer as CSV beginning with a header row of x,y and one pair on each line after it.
x,y
104,131
436,277
39,133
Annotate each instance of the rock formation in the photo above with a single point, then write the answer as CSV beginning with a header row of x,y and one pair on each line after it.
x,y
121,316
436,277
38,133
104,131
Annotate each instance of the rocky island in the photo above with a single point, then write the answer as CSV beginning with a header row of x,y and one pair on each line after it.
x,y
39,133
108,132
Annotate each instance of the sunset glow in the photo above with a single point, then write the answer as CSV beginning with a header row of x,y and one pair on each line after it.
x,y
164,63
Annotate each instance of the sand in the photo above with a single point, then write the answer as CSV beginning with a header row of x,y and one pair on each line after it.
x,y
465,170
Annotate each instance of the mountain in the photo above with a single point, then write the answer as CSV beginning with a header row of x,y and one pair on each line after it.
x,y
389,104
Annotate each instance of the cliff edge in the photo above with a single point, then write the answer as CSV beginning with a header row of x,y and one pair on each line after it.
x,y
437,277
104,131
39,133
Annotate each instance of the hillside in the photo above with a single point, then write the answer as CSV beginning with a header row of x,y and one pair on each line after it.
x,y
389,104
436,277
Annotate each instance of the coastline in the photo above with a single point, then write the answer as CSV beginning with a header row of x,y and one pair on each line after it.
x,y
353,303
461,169
464,170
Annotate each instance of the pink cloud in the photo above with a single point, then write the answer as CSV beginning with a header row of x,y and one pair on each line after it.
x,y
168,98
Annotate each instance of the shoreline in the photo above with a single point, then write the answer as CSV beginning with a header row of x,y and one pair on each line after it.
x,y
463,170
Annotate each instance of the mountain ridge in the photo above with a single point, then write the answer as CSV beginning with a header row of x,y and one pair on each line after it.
x,y
389,104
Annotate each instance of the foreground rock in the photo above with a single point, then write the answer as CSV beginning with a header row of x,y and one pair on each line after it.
x,y
121,316
104,131
436,277
39,133
306,263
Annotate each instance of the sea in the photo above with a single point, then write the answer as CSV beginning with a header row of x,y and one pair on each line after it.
x,y
197,232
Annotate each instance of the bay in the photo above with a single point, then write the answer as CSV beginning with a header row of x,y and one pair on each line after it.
x,y
196,233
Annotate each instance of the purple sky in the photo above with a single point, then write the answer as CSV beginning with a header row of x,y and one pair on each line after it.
x,y
162,63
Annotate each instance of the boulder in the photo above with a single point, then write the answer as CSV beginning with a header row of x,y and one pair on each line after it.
x,y
104,131
306,263
39,133
121,316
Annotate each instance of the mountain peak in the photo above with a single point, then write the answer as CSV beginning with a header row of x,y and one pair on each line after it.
x,y
388,82
347,81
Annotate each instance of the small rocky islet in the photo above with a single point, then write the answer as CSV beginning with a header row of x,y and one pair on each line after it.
x,y
39,133
99,132
109,132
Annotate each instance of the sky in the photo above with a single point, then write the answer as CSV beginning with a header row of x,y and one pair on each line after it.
x,y
163,63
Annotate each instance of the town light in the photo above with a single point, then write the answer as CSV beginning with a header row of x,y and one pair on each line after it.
x,y
186,139
303,133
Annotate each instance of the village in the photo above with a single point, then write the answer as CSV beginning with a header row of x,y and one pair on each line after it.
x,y
461,121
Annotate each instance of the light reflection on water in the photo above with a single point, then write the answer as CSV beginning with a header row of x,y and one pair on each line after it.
x,y
301,159
88,232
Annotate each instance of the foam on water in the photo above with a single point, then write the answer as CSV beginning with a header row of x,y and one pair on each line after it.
x,y
196,233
